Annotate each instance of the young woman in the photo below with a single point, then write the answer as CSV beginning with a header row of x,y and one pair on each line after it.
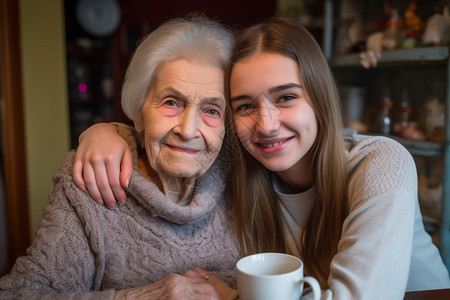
x,y
346,205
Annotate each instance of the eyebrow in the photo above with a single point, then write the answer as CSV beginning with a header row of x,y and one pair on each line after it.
x,y
177,94
272,90
284,87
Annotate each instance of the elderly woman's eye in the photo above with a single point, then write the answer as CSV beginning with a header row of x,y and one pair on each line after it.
x,y
213,112
171,103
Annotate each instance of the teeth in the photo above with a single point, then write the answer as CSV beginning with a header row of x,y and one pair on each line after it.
x,y
272,145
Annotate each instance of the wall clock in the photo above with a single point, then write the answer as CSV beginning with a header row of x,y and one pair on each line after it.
x,y
98,17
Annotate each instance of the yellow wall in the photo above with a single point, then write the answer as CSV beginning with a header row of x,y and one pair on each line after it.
x,y
45,97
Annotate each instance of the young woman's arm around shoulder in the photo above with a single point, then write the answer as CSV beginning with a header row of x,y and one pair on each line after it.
x,y
103,162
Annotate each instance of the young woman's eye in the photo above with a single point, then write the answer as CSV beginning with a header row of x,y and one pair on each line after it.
x,y
286,98
244,107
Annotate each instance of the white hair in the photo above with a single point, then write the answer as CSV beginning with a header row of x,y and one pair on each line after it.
x,y
194,38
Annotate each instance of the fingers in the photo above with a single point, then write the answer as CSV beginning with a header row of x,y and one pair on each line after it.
x,y
100,157
91,184
206,275
221,287
126,168
197,285
173,287
106,176
197,276
114,188
101,177
77,173
190,285
97,181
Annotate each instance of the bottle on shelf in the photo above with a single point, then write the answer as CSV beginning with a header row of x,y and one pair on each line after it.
x,y
405,109
344,42
406,127
384,121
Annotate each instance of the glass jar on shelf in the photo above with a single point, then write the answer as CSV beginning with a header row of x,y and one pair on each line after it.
x,y
435,114
353,106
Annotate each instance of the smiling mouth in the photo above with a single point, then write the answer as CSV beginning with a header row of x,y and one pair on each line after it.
x,y
272,145
183,149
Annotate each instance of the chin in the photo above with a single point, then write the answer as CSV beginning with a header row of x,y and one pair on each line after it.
x,y
185,173
186,168
274,167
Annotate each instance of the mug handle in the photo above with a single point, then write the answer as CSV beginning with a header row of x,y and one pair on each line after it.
x,y
314,284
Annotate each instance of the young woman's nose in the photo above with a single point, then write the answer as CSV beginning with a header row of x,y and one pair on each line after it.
x,y
188,123
268,122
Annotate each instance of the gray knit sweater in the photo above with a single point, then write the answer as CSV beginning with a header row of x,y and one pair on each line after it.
x,y
88,251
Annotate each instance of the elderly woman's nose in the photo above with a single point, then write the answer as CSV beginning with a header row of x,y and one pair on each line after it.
x,y
188,123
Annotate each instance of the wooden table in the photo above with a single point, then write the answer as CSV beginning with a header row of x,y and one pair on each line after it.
x,y
429,294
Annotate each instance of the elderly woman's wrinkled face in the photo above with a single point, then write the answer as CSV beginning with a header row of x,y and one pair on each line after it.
x,y
183,118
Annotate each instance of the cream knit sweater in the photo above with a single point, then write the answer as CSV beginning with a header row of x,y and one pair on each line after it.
x,y
384,249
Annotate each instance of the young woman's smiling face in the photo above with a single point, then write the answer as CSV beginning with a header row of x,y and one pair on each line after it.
x,y
272,112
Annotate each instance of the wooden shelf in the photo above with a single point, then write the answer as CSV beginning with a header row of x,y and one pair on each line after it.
x,y
425,54
422,148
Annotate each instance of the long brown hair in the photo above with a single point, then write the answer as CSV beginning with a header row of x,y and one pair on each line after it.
x,y
255,204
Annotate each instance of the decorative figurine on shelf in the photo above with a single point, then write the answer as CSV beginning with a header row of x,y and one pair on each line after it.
x,y
392,33
437,31
412,131
413,27
412,21
386,38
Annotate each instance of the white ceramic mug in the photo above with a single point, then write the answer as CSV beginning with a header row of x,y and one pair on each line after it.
x,y
270,276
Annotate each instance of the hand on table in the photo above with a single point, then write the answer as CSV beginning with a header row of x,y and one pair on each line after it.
x,y
226,292
190,285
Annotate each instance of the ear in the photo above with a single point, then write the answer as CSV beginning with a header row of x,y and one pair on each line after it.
x,y
139,122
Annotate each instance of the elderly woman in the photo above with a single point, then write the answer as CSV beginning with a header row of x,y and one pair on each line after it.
x,y
175,218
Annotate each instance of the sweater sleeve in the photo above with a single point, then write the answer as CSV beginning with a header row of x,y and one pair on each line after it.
x,y
374,252
59,264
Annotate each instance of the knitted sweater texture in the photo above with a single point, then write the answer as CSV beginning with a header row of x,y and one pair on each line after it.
x,y
384,249
83,250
